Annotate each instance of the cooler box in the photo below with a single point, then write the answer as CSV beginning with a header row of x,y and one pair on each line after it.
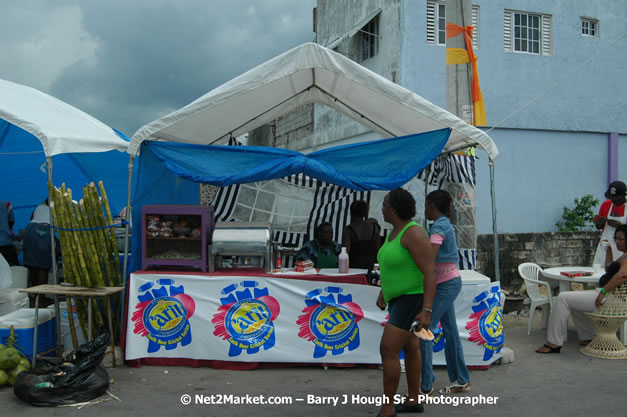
x,y
23,320
11,299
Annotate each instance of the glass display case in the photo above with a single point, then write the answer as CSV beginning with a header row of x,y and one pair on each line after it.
x,y
176,236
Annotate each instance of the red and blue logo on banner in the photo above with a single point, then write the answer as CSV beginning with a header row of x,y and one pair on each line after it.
x,y
245,318
162,315
329,323
486,322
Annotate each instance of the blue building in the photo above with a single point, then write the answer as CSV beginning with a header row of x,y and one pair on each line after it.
x,y
552,77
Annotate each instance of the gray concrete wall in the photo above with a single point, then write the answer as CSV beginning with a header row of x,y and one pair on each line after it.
x,y
545,249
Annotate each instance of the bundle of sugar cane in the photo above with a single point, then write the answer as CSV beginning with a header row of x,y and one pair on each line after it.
x,y
72,265
93,208
81,262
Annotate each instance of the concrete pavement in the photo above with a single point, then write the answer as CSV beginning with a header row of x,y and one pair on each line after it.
x,y
567,384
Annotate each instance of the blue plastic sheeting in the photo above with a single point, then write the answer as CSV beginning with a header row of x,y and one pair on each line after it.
x,y
378,165
25,176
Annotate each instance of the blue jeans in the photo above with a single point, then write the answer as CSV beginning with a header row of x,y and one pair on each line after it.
x,y
444,313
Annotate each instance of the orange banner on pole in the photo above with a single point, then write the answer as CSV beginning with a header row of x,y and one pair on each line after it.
x,y
460,56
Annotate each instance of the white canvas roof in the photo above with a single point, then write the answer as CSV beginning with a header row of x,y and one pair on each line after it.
x,y
309,73
60,127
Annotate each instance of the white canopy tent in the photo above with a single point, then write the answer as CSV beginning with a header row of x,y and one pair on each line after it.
x,y
60,127
309,73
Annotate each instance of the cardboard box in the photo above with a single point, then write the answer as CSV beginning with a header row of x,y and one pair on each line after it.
x,y
23,321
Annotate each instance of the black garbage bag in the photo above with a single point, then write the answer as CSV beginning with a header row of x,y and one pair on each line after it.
x,y
77,377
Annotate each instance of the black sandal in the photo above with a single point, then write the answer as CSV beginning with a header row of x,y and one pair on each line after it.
x,y
550,349
406,408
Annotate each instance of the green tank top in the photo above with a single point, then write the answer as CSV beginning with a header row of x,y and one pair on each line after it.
x,y
399,273
326,261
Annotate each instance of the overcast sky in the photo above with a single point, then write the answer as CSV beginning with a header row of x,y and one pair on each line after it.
x,y
128,62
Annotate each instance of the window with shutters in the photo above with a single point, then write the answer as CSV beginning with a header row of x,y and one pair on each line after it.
x,y
589,27
369,39
436,23
527,33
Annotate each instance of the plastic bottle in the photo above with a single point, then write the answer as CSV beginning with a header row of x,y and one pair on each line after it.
x,y
375,275
279,261
342,261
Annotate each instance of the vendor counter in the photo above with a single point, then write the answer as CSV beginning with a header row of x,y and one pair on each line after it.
x,y
243,319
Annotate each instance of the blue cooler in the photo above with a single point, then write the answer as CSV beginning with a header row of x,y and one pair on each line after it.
x,y
23,321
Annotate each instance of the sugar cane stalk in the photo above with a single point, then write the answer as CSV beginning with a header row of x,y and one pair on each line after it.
x,y
112,247
72,254
98,220
69,269
114,242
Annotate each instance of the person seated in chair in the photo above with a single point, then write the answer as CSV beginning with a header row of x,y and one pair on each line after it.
x,y
575,303
322,250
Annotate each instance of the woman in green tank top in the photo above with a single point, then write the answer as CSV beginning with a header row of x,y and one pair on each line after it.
x,y
407,288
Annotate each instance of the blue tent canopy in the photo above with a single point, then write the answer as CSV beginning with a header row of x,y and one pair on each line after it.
x,y
25,178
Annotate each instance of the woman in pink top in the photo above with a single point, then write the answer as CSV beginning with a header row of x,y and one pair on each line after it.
x,y
448,285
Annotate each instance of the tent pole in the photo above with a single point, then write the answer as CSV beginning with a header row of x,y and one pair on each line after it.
x,y
52,242
53,253
129,217
428,171
497,274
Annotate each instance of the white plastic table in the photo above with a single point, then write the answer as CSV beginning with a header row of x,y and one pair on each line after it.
x,y
564,281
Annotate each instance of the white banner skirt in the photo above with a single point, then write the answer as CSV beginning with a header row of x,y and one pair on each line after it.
x,y
261,319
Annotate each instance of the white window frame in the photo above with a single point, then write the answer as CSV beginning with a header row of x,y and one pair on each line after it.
x,y
516,33
589,27
436,23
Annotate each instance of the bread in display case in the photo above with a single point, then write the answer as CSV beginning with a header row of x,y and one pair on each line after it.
x,y
176,236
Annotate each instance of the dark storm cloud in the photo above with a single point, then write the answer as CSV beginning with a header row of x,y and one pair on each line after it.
x,y
154,56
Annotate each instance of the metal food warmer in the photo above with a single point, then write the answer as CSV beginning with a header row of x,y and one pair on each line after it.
x,y
242,245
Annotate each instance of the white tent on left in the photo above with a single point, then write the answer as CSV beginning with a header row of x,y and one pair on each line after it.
x,y
60,127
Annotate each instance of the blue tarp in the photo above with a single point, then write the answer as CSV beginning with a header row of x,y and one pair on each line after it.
x,y
25,176
168,173
378,165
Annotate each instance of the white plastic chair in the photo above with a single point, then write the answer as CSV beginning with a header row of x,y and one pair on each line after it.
x,y
19,274
530,273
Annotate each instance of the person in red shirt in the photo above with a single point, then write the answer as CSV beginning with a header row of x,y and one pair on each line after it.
x,y
611,215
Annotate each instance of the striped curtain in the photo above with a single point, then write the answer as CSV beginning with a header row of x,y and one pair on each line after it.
x,y
453,168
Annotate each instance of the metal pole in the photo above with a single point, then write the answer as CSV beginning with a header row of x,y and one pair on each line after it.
x,y
427,171
52,242
53,254
129,217
497,269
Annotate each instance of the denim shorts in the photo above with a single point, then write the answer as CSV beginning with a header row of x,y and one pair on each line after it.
x,y
403,309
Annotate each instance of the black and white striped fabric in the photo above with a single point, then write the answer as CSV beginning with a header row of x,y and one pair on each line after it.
x,y
451,168
468,259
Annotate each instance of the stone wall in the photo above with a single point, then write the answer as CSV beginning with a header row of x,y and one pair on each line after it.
x,y
545,249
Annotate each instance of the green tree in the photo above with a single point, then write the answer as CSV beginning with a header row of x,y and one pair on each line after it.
x,y
579,218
